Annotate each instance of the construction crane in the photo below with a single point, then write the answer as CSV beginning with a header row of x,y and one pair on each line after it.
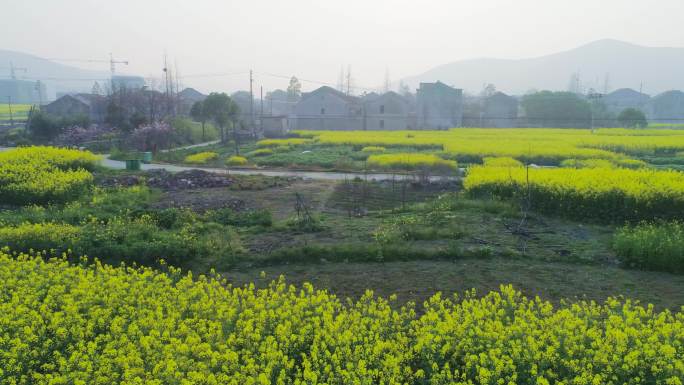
x,y
112,62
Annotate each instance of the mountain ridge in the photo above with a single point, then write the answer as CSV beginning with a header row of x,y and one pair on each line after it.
x,y
628,65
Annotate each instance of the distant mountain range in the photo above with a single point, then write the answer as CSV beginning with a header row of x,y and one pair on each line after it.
x,y
625,65
57,77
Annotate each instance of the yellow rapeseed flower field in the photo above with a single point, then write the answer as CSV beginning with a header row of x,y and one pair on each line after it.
x,y
44,174
603,194
67,324
412,161
532,145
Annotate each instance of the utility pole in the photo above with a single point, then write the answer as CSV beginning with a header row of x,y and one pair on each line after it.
x,y
9,105
261,117
251,100
176,97
166,83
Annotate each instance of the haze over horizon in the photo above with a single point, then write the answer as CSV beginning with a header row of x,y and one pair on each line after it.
x,y
314,40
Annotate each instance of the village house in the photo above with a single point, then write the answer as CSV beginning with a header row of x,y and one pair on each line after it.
x,y
439,106
188,97
273,126
90,105
619,100
389,111
499,111
327,109
667,107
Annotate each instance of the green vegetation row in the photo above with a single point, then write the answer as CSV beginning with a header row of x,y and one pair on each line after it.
x,y
44,174
654,246
65,324
120,224
599,194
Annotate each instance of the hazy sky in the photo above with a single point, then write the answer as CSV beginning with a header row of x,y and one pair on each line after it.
x,y
313,39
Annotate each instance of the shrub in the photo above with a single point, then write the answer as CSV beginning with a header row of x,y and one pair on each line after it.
x,y
236,161
39,237
78,136
653,246
281,149
139,240
632,118
188,131
261,152
101,324
43,126
150,137
200,157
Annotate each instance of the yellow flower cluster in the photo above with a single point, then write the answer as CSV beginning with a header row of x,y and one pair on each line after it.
x,y
200,157
283,142
412,161
65,324
535,145
589,193
237,161
44,174
373,149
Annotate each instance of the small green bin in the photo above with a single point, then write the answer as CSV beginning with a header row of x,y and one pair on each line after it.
x,y
133,164
147,157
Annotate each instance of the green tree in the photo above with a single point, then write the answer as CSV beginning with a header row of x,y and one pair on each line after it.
x,y
224,112
42,126
198,114
632,118
294,90
556,109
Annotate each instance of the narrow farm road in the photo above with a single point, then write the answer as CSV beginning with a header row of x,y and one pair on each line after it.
x,y
320,175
